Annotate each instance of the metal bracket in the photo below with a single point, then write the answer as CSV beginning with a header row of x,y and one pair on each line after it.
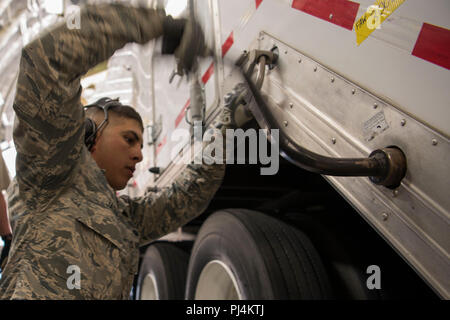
x,y
154,131
260,58
197,102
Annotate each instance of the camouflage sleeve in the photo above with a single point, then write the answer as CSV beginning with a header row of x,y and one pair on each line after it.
x,y
186,198
49,128
4,175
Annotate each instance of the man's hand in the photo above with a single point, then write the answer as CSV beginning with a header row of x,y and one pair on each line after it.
x,y
173,32
188,39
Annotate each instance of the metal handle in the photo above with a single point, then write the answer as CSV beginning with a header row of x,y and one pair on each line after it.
x,y
261,72
385,167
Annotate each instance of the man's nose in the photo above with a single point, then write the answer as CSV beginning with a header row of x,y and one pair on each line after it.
x,y
137,154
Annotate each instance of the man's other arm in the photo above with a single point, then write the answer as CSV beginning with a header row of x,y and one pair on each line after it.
x,y
186,198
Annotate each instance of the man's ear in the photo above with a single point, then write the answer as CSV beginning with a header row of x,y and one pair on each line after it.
x,y
98,136
94,145
93,148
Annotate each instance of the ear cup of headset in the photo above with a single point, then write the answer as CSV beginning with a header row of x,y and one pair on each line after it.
x,y
90,126
89,133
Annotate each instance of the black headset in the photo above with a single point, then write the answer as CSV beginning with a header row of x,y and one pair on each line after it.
x,y
89,125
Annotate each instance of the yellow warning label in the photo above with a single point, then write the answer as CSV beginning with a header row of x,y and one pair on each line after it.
x,y
374,17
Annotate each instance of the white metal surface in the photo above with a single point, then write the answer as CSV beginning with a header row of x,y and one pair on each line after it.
x,y
332,116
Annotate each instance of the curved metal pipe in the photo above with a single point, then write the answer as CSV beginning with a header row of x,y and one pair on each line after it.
x,y
384,166
261,72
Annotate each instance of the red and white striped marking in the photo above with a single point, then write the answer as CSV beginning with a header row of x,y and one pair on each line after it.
x,y
433,45
340,12
181,114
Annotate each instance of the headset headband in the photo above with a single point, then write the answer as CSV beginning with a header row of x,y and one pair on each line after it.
x,y
105,104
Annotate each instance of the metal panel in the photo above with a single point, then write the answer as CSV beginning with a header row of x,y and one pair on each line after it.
x,y
328,114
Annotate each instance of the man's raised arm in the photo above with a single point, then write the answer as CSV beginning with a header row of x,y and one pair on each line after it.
x,y
49,131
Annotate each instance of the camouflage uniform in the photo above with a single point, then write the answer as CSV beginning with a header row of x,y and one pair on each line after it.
x,y
4,175
63,210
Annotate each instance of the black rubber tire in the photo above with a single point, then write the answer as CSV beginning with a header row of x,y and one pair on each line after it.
x,y
168,264
269,259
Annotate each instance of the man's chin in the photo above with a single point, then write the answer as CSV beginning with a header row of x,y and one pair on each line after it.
x,y
119,186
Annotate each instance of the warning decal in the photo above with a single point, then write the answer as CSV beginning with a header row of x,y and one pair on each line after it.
x,y
374,17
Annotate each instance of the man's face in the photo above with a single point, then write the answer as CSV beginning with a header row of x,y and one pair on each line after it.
x,y
118,149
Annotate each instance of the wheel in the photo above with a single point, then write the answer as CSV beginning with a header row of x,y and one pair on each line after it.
x,y
162,275
243,254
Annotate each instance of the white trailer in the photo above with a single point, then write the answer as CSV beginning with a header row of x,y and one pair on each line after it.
x,y
335,98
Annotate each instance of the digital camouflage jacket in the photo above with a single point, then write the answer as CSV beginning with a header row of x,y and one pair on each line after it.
x,y
63,211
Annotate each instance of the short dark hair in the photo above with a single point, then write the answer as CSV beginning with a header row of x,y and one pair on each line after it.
x,y
118,109
128,112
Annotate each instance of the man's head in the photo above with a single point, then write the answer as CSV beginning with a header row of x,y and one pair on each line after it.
x,y
117,144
